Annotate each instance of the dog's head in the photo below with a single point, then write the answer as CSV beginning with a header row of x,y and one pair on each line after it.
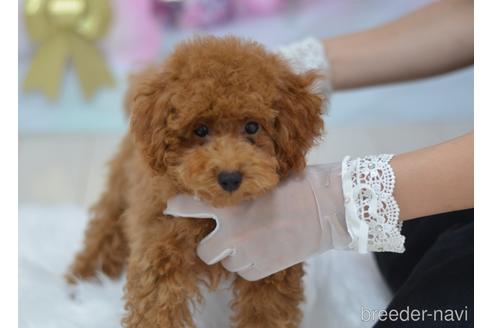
x,y
224,118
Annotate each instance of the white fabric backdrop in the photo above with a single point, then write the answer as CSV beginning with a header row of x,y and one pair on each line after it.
x,y
337,285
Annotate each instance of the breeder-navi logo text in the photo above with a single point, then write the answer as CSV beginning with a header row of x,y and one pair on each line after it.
x,y
408,314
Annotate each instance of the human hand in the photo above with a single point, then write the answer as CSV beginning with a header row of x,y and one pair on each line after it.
x,y
348,205
309,54
277,230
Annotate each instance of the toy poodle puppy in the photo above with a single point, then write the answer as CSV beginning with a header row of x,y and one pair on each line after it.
x,y
222,119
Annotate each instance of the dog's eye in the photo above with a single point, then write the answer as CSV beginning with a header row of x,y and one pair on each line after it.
x,y
201,131
251,127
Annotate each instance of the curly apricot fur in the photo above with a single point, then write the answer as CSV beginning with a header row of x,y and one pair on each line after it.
x,y
222,83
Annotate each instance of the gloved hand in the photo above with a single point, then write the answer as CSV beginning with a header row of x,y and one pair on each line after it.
x,y
277,230
303,216
309,54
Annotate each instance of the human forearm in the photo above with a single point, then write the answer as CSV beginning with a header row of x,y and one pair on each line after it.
x,y
433,40
436,179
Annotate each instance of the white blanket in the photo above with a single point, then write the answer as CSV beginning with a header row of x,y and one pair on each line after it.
x,y
338,285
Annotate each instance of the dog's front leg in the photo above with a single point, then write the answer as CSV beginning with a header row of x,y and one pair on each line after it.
x,y
272,302
164,272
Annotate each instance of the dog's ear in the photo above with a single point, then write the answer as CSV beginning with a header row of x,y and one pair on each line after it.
x,y
146,104
299,121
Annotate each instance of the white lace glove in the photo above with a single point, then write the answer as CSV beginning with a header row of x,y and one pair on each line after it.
x,y
346,205
309,54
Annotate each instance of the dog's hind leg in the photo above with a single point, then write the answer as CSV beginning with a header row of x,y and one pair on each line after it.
x,y
105,246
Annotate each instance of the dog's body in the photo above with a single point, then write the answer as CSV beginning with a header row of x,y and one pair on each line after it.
x,y
221,119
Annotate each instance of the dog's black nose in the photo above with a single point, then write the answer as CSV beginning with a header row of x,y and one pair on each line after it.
x,y
230,180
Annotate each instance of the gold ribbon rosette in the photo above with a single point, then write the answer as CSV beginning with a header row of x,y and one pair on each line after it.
x,y
66,31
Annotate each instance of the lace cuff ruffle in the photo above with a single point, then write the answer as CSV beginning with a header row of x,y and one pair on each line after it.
x,y
371,211
308,54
